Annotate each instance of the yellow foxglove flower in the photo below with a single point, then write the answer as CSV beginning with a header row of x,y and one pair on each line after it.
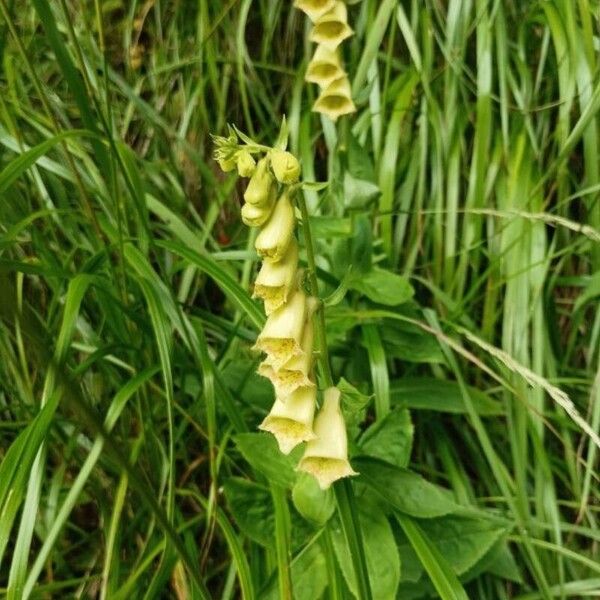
x,y
260,185
324,67
336,99
246,164
276,281
314,8
332,28
326,457
291,421
255,216
277,235
281,337
295,373
285,166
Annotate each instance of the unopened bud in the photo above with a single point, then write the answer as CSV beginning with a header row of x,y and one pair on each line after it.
x,y
285,166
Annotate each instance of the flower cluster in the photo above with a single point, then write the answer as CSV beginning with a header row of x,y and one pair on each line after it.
x,y
288,334
330,29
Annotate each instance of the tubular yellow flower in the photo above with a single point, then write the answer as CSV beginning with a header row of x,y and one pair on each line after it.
x,y
336,99
285,166
226,164
326,457
260,185
281,337
277,235
324,67
291,421
275,281
314,8
332,28
255,216
295,373
246,164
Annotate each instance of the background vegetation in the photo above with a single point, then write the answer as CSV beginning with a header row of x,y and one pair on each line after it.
x,y
131,466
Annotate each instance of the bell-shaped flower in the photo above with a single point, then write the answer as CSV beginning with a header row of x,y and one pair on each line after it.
x,y
291,421
324,67
275,238
246,164
295,373
227,164
332,28
281,337
326,457
276,281
336,99
314,8
285,166
260,186
255,215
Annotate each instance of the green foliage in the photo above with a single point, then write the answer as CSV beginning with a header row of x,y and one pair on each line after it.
x,y
455,215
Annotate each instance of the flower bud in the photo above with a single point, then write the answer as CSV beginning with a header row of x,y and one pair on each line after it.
x,y
314,8
277,235
260,185
226,164
336,99
324,67
281,337
275,281
285,166
291,421
326,457
245,163
332,28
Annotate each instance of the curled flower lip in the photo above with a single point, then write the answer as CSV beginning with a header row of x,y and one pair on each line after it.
x,y
281,337
275,281
332,28
314,8
326,456
336,99
291,421
324,67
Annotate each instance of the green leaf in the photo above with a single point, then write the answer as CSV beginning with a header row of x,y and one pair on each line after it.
x,y
409,342
353,401
263,454
309,576
383,561
382,286
427,393
313,503
390,438
406,491
462,541
330,227
252,508
358,193
442,576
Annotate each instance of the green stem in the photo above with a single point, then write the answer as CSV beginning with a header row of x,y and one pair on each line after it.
x,y
344,492
282,542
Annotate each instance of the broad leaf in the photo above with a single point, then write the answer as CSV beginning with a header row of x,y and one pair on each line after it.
x,y
390,439
263,454
382,286
406,491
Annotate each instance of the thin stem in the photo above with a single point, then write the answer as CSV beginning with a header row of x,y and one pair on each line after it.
x,y
344,492
282,542
314,289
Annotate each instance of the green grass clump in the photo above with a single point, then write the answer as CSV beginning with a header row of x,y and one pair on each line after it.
x,y
457,244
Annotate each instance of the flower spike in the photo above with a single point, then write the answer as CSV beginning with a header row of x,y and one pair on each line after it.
x,y
324,67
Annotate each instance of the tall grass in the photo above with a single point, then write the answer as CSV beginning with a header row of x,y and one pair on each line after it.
x,y
130,466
